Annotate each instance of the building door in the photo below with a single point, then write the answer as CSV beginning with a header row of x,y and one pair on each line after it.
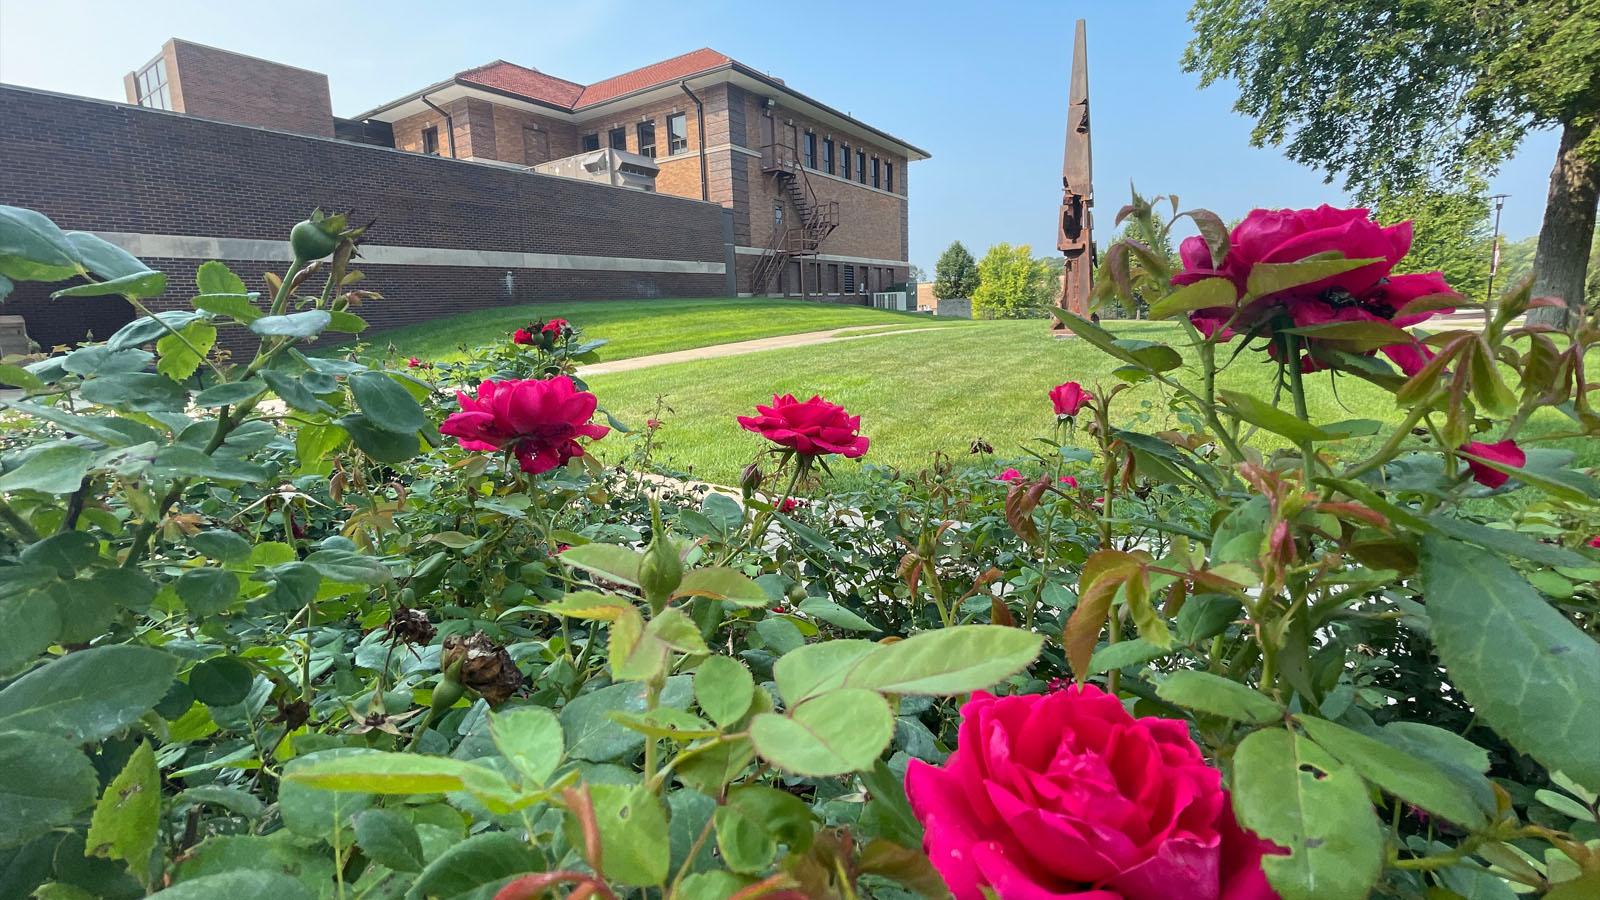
x,y
535,146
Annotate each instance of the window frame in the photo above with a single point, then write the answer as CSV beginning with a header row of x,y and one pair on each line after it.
x,y
585,142
861,166
827,155
611,138
639,132
845,163
150,82
877,173
677,144
808,150
430,140
888,176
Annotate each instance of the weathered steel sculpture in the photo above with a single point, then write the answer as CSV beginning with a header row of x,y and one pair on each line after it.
x,y
1075,228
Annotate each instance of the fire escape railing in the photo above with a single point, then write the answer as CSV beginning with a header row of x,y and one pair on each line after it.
x,y
803,234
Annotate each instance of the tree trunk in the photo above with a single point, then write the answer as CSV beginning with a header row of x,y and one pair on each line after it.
x,y
1562,259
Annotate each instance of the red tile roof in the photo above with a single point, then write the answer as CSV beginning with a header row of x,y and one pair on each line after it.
x,y
536,85
525,82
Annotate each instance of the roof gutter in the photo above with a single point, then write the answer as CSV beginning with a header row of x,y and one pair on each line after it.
x,y
449,122
700,139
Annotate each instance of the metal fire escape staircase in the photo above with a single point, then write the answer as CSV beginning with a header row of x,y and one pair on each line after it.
x,y
801,234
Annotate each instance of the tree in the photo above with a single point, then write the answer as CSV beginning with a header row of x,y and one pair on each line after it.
x,y
1011,284
1392,94
915,275
956,275
1450,233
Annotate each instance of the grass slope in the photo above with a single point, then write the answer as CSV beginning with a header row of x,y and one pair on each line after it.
x,y
931,392
639,327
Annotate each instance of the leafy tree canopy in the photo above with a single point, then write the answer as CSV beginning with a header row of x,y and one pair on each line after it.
x,y
956,274
1011,284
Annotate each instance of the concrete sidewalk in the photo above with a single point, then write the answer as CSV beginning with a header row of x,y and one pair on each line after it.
x,y
739,348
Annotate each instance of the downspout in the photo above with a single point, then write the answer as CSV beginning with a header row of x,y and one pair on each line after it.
x,y
700,125
449,123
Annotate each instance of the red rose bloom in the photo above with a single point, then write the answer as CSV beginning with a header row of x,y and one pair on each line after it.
x,y
1064,796
555,327
812,427
1008,476
1069,398
1369,293
413,363
1594,542
789,505
1068,480
540,421
522,336
1506,453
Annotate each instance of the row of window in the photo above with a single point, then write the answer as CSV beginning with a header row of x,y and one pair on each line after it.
x,y
832,278
880,175
617,138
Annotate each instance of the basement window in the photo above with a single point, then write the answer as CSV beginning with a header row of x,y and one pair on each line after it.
x,y
150,85
591,141
430,140
647,138
677,132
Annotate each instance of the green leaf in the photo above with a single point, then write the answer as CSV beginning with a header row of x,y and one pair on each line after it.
x,y
1507,542
948,661
111,430
208,591
88,695
834,614
251,884
32,248
221,545
744,845
230,393
294,325
609,561
380,772
1530,674
214,277
137,286
1151,356
45,781
52,470
136,391
587,724
103,258
530,738
1270,278
16,376
386,404
240,306
380,444
1287,790
724,688
1193,689
233,799
1395,771
1207,293
346,323
179,359
30,623
719,584
293,391
348,566
817,668
479,860
389,839
129,812
633,833
1355,336
836,733
221,681
1263,414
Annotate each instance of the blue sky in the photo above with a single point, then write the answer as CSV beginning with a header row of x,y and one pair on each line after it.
x,y
980,86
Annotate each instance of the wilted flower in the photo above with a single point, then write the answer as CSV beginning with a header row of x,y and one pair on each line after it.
x,y
486,667
540,421
408,625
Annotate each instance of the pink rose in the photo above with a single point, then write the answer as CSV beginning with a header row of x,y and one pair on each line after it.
x,y
414,363
1067,480
1506,453
1008,476
1594,542
540,421
522,336
1069,398
812,427
1065,796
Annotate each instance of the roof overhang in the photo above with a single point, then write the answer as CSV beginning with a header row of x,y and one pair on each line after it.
x,y
731,73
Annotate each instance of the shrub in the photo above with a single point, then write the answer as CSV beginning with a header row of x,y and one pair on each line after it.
x,y
1011,284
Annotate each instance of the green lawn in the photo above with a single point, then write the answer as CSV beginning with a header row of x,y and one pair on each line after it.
x,y
639,327
918,394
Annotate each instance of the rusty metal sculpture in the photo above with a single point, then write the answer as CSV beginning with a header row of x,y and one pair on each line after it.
x,y
1075,228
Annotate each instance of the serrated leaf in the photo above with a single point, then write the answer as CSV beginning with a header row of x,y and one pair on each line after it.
x,y
530,739
835,733
1395,771
51,470
179,355
947,661
88,695
1270,278
720,584
129,812
1207,293
613,563
723,688
45,781
306,324
1203,691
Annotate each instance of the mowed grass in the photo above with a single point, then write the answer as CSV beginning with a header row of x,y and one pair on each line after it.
x,y
936,392
639,327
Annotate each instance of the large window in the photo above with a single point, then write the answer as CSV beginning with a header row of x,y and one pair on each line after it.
x,y
430,140
151,85
827,157
888,177
591,141
647,138
619,138
877,173
809,150
677,132
861,166
844,162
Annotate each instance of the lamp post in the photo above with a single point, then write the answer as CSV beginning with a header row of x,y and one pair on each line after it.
x,y
1494,256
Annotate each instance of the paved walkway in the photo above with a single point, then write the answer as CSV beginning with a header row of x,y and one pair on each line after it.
x,y
739,348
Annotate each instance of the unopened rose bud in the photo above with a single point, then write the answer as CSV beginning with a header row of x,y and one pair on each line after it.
x,y
750,479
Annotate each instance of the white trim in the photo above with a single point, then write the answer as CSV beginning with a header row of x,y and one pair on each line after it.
x,y
183,246
830,257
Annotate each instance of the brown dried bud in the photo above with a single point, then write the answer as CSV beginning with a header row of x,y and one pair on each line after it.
x,y
410,626
293,714
979,445
486,667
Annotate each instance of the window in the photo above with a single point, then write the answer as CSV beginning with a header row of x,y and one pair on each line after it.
x,y
833,278
430,140
844,162
150,85
827,158
888,177
591,141
647,138
677,132
809,149
861,166
619,138
877,182
849,276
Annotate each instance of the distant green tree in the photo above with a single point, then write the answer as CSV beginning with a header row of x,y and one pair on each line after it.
x,y
956,275
1516,261
1394,93
1011,284
1450,233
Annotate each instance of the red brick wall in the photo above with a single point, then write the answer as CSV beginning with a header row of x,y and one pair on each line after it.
x,y
98,166
232,87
